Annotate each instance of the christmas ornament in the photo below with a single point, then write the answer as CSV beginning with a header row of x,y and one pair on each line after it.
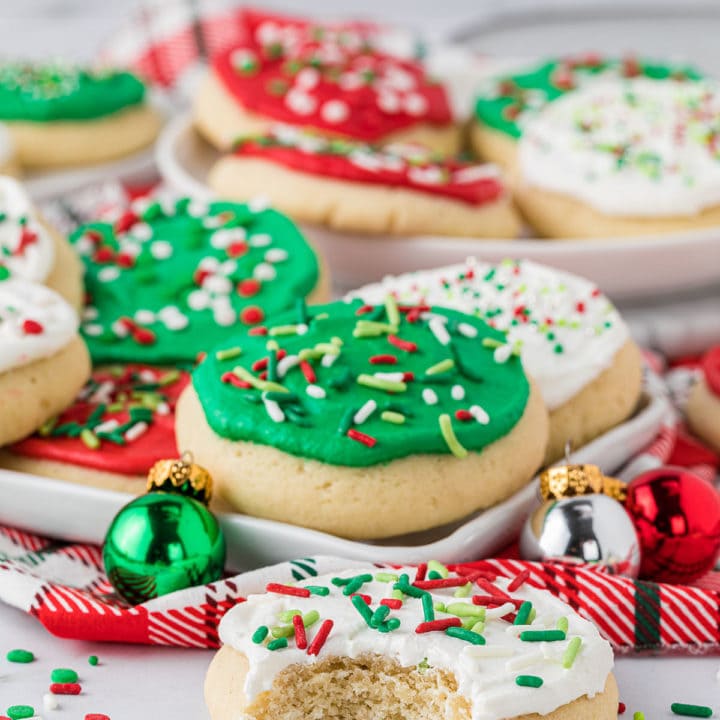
x,y
581,520
677,516
165,540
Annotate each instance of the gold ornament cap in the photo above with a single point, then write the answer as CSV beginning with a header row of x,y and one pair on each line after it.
x,y
181,476
564,481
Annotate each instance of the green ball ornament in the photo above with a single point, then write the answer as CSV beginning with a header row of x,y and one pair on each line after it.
x,y
166,540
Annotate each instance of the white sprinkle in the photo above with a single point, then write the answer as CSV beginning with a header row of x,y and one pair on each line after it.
x,y
457,392
288,362
212,221
328,360
301,328
429,396
90,313
334,111
264,271
228,267
224,316
106,427
217,284
175,322
145,317
198,300
119,329
364,412
147,376
141,231
300,102
84,246
415,104
274,411
222,239
488,651
479,414
258,203
134,432
161,250
50,702
350,81
275,255
523,661
315,391
209,263
93,329
242,59
388,102
307,78
502,354
391,376
197,208
260,240
499,612
163,409
467,330
108,274
438,329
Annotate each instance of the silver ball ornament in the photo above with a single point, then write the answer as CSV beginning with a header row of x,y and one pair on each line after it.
x,y
592,529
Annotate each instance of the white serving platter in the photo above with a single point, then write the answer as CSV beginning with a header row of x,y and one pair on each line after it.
x,y
82,514
625,268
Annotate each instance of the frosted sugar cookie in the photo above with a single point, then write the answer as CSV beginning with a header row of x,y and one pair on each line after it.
x,y
703,402
364,421
62,115
167,281
43,361
32,250
328,78
120,424
572,340
367,642
349,186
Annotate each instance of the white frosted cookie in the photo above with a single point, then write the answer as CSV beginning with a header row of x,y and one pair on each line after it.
x,y
43,362
572,340
374,643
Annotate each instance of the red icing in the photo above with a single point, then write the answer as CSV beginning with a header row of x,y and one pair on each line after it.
x,y
711,368
289,70
136,456
398,173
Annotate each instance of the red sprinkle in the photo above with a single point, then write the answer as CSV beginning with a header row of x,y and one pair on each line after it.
x,y
408,376
365,598
436,625
413,315
248,288
94,236
125,221
363,309
97,716
287,590
300,634
405,345
621,708
319,640
307,371
199,276
421,572
518,580
491,589
392,603
27,237
441,583
237,249
65,689
383,360
32,327
143,336
495,600
103,254
232,379
361,437
125,260
260,364
258,331
580,306
252,315
463,415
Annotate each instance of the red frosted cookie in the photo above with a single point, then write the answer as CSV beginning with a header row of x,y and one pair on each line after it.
x,y
330,78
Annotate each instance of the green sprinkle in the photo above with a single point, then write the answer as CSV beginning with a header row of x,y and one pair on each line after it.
x,y
438,567
381,384
492,343
391,308
392,417
542,635
283,330
397,594
440,607
691,710
90,439
639,715
247,376
228,354
463,591
93,660
466,610
278,644
310,354
532,681
441,367
390,625
434,575
19,712
260,634
571,653
310,618
327,348
386,577
318,590
467,635
523,613
379,616
63,675
47,427
340,581
169,377
282,631
369,328
428,608
362,608
20,656
562,624
451,440
408,589
356,583
478,627
287,615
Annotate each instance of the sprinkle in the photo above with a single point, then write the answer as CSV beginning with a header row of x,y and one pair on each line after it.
x,y
383,360
368,328
300,635
523,613
621,708
429,396
438,329
391,308
463,591
63,675
542,635
438,567
90,439
19,656
362,607
277,644
440,582
467,635
392,603
228,354
532,681
428,609
320,638
50,702
315,391
32,327
571,653
479,414
379,616
365,412
287,363
457,392
438,625
282,330
381,384
638,715
20,712
287,590
446,429
562,624
691,710
392,376
499,612
420,572
93,660
310,618
367,440
65,689
467,330
401,344
355,584
392,417
518,581
260,634
318,590
441,367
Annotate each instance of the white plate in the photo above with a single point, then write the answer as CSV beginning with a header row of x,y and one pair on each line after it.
x,y
625,268
74,512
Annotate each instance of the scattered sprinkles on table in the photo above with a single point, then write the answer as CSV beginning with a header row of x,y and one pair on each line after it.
x,y
167,280
471,624
398,165
356,385
122,421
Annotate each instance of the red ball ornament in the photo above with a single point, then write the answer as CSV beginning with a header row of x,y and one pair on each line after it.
x,y
677,518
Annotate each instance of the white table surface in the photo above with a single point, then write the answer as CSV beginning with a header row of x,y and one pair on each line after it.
x,y
140,683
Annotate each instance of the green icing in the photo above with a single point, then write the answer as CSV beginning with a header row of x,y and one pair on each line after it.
x,y
316,427
166,282
511,97
41,93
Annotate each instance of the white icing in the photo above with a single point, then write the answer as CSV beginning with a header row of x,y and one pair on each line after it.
x,y
22,301
485,673
669,167
589,338
35,260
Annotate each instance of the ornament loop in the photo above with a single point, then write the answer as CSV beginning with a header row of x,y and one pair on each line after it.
x,y
563,481
181,476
